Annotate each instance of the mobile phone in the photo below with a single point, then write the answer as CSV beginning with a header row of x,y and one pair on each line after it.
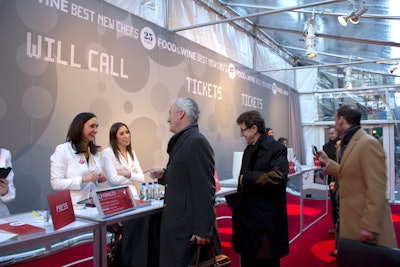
x,y
315,151
4,172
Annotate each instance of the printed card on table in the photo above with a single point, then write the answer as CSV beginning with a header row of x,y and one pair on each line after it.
x,y
61,209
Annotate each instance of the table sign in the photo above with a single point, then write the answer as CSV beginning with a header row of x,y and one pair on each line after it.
x,y
61,209
113,200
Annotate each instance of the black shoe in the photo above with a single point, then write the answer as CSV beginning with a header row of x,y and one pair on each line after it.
x,y
333,253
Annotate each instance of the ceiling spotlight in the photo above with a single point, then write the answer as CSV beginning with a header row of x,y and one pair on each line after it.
x,y
344,19
310,47
309,34
348,85
354,17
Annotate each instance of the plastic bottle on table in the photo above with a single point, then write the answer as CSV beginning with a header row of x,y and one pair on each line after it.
x,y
143,191
156,191
150,190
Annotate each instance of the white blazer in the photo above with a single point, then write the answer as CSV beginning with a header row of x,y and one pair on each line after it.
x,y
5,162
111,165
67,169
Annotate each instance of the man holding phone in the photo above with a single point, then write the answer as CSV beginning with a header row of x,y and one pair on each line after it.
x,y
7,189
364,212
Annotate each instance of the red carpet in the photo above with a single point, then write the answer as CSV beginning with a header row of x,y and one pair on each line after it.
x,y
309,249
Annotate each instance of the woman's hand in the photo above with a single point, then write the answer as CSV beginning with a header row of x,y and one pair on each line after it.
x,y
93,177
124,172
3,186
102,178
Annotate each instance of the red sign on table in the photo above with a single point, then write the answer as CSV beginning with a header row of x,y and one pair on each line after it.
x,y
114,200
61,209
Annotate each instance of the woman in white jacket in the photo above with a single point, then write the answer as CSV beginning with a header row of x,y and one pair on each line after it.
x,y
76,164
7,189
121,165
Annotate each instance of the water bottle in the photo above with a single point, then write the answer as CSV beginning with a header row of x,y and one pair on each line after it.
x,y
156,191
297,163
150,191
142,192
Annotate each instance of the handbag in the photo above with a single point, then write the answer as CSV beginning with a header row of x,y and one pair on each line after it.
x,y
114,254
352,253
220,260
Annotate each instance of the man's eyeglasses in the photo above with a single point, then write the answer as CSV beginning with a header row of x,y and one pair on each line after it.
x,y
243,130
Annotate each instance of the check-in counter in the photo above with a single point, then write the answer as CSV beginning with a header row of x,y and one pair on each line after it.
x,y
156,206
45,241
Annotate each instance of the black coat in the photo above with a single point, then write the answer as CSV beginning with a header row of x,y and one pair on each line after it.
x,y
189,197
260,223
330,150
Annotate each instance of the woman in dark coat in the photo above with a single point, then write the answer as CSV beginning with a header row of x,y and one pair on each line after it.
x,y
260,224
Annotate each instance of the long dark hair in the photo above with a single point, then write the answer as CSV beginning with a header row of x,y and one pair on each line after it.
x,y
113,139
74,134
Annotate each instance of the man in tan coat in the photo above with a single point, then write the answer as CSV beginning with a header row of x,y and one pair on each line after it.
x,y
364,213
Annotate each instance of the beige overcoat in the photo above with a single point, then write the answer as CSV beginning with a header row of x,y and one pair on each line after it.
x,y
362,190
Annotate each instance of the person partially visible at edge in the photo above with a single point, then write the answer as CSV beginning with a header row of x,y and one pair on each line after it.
x,y
260,222
283,140
189,215
364,213
269,131
331,149
7,188
76,164
122,167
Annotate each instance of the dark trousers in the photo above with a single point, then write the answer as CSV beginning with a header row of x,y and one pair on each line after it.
x,y
335,214
247,261
141,241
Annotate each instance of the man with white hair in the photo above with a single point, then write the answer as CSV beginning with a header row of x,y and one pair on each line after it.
x,y
188,217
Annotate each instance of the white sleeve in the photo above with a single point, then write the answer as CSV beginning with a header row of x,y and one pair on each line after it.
x,y
110,164
10,196
137,172
59,166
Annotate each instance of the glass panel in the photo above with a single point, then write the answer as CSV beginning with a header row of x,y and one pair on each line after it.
x,y
293,205
375,132
373,105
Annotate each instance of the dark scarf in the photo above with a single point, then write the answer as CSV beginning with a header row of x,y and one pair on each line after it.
x,y
176,136
248,153
347,135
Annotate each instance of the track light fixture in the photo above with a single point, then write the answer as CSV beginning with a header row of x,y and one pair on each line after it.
x,y
354,17
309,34
348,85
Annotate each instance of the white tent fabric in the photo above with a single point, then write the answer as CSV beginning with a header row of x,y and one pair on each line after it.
x,y
230,41
222,38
